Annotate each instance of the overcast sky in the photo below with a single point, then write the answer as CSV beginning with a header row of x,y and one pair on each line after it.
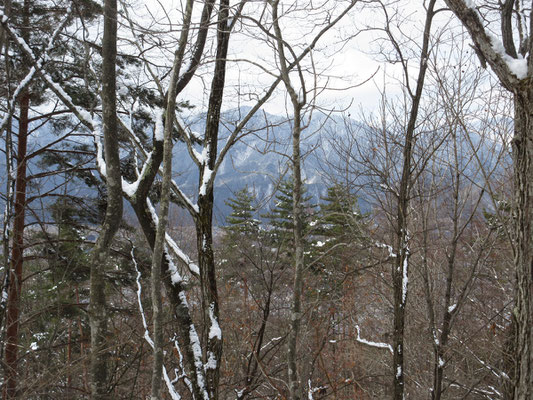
x,y
344,63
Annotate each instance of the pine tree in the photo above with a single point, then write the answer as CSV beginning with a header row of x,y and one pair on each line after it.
x,y
280,219
33,21
338,237
340,220
241,221
280,216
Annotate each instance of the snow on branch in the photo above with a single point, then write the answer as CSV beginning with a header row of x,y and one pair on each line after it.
x,y
83,115
207,179
193,268
159,131
378,345
100,162
517,66
11,103
175,275
171,390
196,350
497,373
181,375
190,137
130,188
39,64
405,276
191,207
488,46
313,390
214,333
388,247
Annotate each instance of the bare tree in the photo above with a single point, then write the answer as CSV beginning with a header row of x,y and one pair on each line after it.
x,y
400,268
298,102
511,61
201,368
97,311
460,229
302,100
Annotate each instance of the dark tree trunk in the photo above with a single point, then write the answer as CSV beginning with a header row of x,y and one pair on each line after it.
x,y
400,271
15,273
522,144
204,221
14,278
176,296
206,261
523,243
113,215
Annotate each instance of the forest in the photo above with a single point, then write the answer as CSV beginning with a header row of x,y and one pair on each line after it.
x,y
280,199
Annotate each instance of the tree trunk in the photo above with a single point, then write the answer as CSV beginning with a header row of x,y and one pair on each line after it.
x,y
400,283
4,47
523,243
159,247
14,276
113,215
177,298
400,272
204,221
15,273
155,278
206,261
295,386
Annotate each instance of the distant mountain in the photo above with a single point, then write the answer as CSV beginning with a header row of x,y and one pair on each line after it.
x,y
261,158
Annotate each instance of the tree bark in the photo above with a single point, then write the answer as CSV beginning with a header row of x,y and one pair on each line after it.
x,y
15,273
400,271
113,215
14,277
523,247
159,247
522,148
295,384
204,221
4,279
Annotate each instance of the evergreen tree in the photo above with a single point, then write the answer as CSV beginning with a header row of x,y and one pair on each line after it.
x,y
339,233
32,21
280,216
241,220
280,219
340,220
